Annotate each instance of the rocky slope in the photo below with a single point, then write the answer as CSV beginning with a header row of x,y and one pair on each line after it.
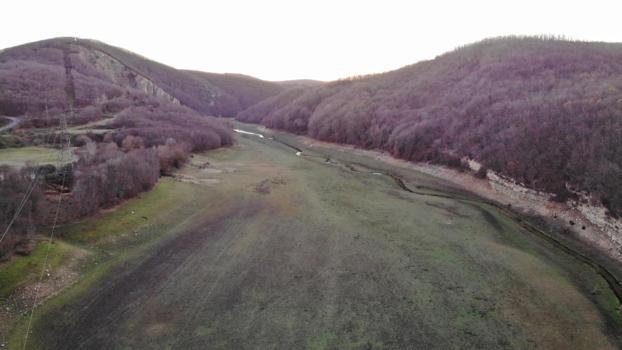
x,y
33,76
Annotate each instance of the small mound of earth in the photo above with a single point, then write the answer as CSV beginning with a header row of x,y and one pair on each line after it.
x,y
194,180
211,170
266,186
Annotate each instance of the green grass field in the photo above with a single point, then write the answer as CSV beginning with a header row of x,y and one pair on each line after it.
x,y
23,270
30,156
254,247
96,127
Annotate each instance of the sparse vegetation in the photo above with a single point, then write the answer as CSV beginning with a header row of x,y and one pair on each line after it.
x,y
23,156
26,269
235,267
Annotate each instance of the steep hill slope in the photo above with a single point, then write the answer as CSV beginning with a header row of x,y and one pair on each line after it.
x,y
244,89
33,76
299,83
153,130
545,112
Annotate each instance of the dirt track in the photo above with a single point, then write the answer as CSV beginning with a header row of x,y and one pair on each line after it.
x,y
13,123
327,257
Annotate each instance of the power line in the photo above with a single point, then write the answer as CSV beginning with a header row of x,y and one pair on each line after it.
x,y
55,221
29,190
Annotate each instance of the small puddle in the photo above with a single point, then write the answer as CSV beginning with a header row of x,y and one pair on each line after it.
x,y
211,171
248,133
298,151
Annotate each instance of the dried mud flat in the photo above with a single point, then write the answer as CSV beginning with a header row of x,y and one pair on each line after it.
x,y
588,224
289,252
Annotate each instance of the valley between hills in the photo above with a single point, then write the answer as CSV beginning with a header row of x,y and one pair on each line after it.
x,y
256,246
469,201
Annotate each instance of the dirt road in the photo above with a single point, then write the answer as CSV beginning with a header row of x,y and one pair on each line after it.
x,y
14,121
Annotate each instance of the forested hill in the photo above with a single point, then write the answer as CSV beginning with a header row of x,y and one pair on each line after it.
x,y
545,112
244,89
32,76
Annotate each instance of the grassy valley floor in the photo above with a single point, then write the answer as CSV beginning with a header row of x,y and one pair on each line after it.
x,y
256,247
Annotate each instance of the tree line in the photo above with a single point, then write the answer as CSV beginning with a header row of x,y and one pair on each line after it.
x,y
543,111
148,139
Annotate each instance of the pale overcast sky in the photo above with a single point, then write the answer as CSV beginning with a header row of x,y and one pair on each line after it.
x,y
316,39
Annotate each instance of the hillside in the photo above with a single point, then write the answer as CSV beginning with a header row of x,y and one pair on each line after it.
x,y
246,90
545,112
132,121
33,76
299,83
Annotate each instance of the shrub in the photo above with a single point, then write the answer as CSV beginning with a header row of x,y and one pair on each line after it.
x,y
156,124
109,176
171,156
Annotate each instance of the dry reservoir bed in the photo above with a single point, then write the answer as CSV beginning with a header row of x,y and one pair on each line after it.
x,y
267,249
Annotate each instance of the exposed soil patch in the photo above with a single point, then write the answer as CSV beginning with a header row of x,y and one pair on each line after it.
x,y
203,165
211,171
266,186
194,180
53,282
